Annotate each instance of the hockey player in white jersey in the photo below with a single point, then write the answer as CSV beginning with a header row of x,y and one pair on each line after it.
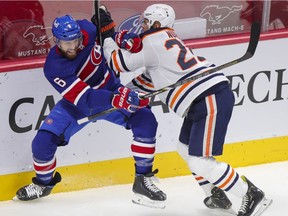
x,y
206,104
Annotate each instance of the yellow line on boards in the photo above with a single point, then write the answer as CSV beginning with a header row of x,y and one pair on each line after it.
x,y
170,164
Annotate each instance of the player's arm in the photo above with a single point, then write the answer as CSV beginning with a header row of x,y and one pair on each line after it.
x,y
121,60
89,100
79,93
124,39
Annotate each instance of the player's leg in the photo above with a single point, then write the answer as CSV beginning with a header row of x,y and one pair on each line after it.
x,y
52,133
182,148
144,126
215,197
207,139
198,130
44,146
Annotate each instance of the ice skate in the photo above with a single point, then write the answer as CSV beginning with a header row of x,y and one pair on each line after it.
x,y
147,193
219,201
36,190
254,202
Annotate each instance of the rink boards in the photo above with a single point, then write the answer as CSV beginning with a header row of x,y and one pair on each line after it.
x,y
100,154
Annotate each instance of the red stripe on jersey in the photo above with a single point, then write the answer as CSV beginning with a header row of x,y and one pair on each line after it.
x,y
106,80
143,149
72,94
92,64
48,167
85,37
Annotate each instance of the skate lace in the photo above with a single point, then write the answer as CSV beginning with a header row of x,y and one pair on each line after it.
x,y
33,190
148,182
244,204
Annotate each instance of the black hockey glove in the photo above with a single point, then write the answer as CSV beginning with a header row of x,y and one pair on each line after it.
x,y
107,24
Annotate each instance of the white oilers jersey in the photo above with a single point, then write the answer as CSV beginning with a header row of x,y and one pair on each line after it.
x,y
166,60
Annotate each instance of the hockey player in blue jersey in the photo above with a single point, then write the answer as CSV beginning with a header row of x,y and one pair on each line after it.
x,y
76,68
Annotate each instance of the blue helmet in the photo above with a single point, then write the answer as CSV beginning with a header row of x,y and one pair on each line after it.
x,y
66,28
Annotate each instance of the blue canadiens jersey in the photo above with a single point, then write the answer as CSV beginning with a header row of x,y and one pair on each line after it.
x,y
86,81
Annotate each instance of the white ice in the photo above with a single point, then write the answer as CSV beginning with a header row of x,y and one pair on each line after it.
x,y
185,198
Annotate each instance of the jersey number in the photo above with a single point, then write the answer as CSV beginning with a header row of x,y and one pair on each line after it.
x,y
59,82
182,61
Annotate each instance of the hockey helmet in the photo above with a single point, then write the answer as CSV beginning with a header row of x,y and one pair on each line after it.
x,y
66,28
162,13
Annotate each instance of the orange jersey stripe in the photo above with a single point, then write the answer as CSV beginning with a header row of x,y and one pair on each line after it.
x,y
143,82
178,93
199,178
115,61
228,180
210,124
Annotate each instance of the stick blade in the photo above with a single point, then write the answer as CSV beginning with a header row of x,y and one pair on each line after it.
x,y
254,38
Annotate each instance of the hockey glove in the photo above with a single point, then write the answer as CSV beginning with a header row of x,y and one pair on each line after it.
x,y
129,41
129,100
107,24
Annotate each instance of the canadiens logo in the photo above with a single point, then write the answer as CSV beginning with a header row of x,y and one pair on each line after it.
x,y
217,14
96,56
37,34
132,24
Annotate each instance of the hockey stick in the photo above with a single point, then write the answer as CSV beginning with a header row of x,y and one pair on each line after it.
x,y
96,4
254,38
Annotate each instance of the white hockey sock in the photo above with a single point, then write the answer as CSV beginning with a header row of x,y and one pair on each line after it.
x,y
219,174
204,184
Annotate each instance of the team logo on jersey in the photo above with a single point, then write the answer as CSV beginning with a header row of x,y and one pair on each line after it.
x,y
37,34
96,56
132,24
217,14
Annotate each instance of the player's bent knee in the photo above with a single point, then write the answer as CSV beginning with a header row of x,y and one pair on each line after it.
x,y
182,150
44,145
201,165
143,123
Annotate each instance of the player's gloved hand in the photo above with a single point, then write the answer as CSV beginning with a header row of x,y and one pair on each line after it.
x,y
129,100
129,41
107,28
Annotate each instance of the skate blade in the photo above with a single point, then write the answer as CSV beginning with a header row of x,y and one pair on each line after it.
x,y
221,212
15,198
263,205
145,201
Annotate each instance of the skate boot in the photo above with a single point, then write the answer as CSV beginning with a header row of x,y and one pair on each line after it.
x,y
218,199
36,190
251,199
146,192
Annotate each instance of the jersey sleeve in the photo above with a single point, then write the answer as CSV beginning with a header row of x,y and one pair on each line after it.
x,y
75,91
121,60
88,30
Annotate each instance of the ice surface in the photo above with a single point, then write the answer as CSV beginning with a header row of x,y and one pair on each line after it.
x,y
185,198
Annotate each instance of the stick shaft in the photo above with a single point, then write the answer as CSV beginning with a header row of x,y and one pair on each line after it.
x,y
96,11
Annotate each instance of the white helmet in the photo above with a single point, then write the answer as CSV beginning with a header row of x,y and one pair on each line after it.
x,y
160,12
